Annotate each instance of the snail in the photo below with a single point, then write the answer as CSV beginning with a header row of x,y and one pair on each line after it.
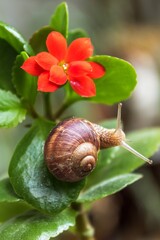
x,y
71,149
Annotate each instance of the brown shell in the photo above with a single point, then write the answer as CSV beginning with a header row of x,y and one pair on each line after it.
x,y
71,149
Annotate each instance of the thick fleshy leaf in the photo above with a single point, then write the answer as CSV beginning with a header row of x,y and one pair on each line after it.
x,y
8,55
46,60
30,177
59,20
84,86
14,39
11,44
37,226
44,85
98,70
57,75
32,67
79,68
107,187
11,109
10,203
25,84
116,161
57,45
118,82
76,33
79,50
41,34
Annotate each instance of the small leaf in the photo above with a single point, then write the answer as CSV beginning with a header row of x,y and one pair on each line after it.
x,y
38,40
10,203
11,110
117,83
76,33
10,35
59,20
25,84
108,187
37,226
31,179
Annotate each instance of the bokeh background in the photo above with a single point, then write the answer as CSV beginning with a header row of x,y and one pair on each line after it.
x,y
129,29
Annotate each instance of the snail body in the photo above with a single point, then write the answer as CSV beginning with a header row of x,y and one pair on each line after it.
x,y
71,149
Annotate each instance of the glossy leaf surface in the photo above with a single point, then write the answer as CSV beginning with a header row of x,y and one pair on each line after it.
x,y
11,109
38,40
10,203
14,39
107,187
117,83
31,178
59,20
76,33
25,84
37,226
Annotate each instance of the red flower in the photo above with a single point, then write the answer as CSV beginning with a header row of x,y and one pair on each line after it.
x,y
62,63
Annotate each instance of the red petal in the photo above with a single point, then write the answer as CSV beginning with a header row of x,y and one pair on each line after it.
x,y
79,49
84,86
57,45
97,70
44,85
79,68
32,67
46,60
57,75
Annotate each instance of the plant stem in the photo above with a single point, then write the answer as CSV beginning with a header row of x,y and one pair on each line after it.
x,y
83,225
48,107
64,106
32,112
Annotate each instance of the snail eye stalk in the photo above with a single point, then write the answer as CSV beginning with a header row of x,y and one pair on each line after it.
x,y
123,143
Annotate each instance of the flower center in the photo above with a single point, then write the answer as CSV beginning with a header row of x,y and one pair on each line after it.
x,y
64,65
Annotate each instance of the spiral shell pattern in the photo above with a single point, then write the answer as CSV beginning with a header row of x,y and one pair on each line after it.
x,y
71,150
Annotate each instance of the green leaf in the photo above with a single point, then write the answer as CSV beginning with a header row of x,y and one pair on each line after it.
x,y
38,40
117,83
117,161
10,35
107,187
11,109
10,203
37,226
7,193
31,179
11,209
76,33
59,20
145,141
8,55
11,43
25,84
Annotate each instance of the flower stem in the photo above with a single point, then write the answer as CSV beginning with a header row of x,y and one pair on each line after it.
x,y
83,226
67,103
48,107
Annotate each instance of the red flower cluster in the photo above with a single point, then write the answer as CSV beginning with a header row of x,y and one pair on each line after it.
x,y
62,63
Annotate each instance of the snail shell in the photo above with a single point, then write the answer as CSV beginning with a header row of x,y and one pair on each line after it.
x,y
71,149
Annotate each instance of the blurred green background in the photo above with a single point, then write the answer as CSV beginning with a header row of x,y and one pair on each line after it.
x,y
129,29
